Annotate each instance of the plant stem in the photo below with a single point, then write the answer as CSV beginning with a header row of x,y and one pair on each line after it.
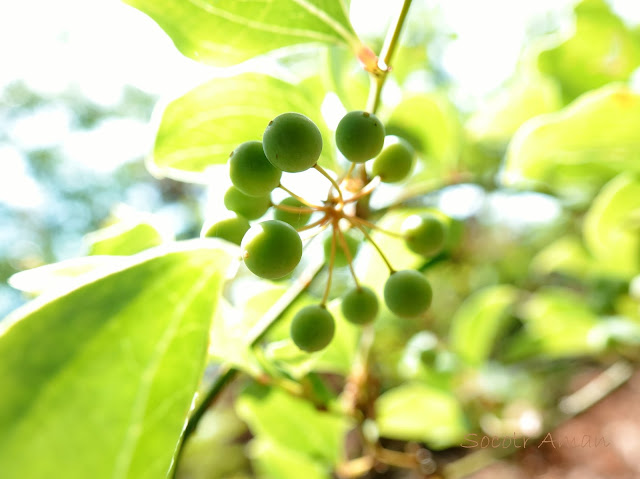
x,y
313,225
347,253
384,59
373,243
332,260
294,209
366,190
333,182
301,199
374,226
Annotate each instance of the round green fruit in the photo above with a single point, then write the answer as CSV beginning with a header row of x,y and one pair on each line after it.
x,y
312,328
407,293
341,259
292,142
251,172
395,162
271,249
360,305
230,229
251,207
297,220
424,234
360,136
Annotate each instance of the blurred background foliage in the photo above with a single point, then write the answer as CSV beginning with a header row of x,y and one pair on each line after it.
x,y
526,117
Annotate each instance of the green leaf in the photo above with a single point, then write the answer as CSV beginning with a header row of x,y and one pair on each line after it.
x,y
200,129
273,414
274,461
601,50
576,150
566,255
98,381
612,226
416,412
131,233
480,321
225,33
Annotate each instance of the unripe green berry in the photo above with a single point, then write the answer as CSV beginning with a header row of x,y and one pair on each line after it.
x,y
230,229
360,305
312,328
251,172
292,142
295,219
407,293
341,259
360,136
394,163
424,234
251,207
271,249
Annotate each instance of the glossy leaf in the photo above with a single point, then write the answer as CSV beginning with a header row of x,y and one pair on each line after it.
x,y
200,129
416,412
131,234
602,49
612,226
98,381
479,321
226,33
579,148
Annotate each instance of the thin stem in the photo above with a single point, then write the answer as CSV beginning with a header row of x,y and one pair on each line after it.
x,y
332,260
373,243
317,232
366,190
313,225
373,226
294,209
352,167
301,199
347,253
379,76
333,182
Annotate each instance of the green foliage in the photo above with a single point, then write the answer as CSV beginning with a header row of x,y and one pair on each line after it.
x,y
120,357
208,32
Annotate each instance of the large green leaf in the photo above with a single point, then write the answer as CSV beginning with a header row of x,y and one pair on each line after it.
x,y
602,49
579,148
479,322
200,129
229,32
419,412
98,381
612,226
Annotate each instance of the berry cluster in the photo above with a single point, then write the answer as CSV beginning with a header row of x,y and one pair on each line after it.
x,y
272,249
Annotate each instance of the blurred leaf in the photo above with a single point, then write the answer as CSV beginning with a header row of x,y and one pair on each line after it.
x,y
345,76
601,50
98,381
479,322
615,331
129,235
226,33
525,97
612,226
566,255
292,423
202,128
430,123
65,274
582,146
557,324
275,461
408,59
416,412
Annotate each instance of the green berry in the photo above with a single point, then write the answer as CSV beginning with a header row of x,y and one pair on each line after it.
x,y
424,234
251,207
312,328
292,142
395,162
340,257
230,229
251,172
407,293
271,249
360,136
360,305
297,220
